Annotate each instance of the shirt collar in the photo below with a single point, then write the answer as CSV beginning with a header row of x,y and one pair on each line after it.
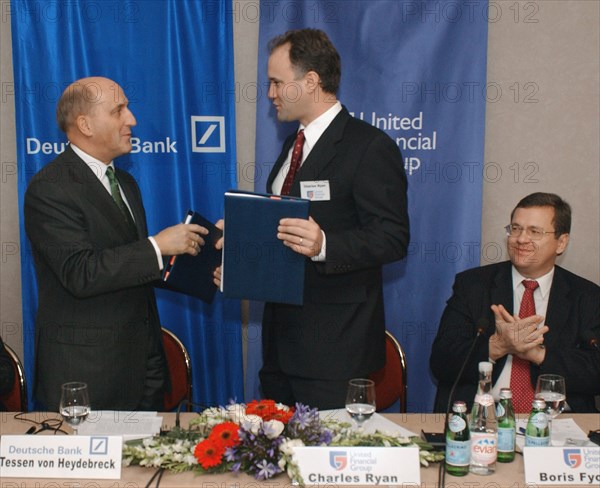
x,y
98,167
544,282
314,130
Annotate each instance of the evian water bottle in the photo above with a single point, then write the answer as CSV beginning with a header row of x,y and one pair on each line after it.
x,y
484,429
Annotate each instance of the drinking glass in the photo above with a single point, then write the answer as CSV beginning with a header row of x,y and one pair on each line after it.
x,y
74,403
551,389
360,400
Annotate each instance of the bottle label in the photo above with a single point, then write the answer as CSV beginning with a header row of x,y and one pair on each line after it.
x,y
500,412
506,439
539,420
457,424
537,441
457,452
483,448
484,399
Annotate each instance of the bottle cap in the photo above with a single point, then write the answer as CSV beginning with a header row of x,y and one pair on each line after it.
x,y
539,404
505,393
459,406
485,367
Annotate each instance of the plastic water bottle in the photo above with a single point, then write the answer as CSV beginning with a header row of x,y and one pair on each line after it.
x,y
484,429
458,441
505,414
537,433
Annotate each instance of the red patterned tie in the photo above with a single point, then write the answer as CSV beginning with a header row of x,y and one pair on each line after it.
x,y
294,164
520,379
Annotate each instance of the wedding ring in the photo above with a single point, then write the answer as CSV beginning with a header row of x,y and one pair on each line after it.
x,y
301,240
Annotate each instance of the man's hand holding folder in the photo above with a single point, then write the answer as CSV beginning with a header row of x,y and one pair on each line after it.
x,y
192,273
303,236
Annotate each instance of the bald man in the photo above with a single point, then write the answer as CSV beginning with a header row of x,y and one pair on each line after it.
x,y
97,319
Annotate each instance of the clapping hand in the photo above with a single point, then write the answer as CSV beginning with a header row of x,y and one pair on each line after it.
x,y
516,336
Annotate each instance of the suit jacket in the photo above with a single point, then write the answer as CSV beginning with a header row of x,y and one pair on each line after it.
x,y
339,331
97,316
573,311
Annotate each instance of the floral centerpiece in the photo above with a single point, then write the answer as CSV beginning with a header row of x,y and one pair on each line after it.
x,y
257,439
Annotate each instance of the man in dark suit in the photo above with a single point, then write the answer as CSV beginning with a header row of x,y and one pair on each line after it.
x,y
97,319
556,339
358,222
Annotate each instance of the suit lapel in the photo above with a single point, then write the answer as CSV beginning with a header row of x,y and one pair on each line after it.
x,y
501,294
287,144
320,155
323,152
557,313
135,204
95,193
502,290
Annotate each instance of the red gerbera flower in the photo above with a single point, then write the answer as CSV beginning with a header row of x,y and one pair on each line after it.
x,y
225,434
267,410
209,453
283,416
264,408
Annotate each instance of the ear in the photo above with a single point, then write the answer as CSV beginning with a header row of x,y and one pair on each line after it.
x,y
83,125
312,80
563,241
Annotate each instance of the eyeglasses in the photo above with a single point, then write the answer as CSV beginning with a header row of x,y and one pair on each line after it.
x,y
534,233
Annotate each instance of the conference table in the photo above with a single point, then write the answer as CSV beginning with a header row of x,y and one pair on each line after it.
x,y
507,475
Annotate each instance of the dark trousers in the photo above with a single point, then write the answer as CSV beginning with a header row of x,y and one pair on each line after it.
x,y
317,393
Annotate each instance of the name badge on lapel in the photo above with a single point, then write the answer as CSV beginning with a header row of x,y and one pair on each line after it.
x,y
317,191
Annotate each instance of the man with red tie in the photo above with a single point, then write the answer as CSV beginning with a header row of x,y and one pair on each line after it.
x,y
545,317
358,222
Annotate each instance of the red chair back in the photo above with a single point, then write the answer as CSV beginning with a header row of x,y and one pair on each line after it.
x,y
390,381
16,399
180,371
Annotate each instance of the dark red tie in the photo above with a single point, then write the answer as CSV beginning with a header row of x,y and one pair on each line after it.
x,y
294,163
520,379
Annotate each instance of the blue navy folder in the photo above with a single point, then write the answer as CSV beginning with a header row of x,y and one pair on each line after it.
x,y
256,265
193,275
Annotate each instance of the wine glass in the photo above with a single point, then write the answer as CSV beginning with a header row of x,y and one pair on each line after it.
x,y
551,389
74,403
360,400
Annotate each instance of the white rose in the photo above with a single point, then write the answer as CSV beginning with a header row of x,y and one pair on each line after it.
x,y
252,423
273,428
236,412
287,447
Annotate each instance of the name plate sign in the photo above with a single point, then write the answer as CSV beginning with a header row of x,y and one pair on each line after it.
x,y
30,456
358,465
562,465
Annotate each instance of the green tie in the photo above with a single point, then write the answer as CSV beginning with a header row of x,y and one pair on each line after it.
x,y
116,194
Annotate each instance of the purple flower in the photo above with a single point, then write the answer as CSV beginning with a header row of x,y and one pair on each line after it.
x,y
266,470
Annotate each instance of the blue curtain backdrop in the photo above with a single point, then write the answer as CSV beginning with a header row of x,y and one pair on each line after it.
x,y
174,60
417,70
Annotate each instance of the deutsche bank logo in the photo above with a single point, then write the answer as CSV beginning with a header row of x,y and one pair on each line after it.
x,y
208,133
338,460
572,457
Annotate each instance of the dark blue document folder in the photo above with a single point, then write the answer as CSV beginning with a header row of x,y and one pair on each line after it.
x,y
193,275
256,265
